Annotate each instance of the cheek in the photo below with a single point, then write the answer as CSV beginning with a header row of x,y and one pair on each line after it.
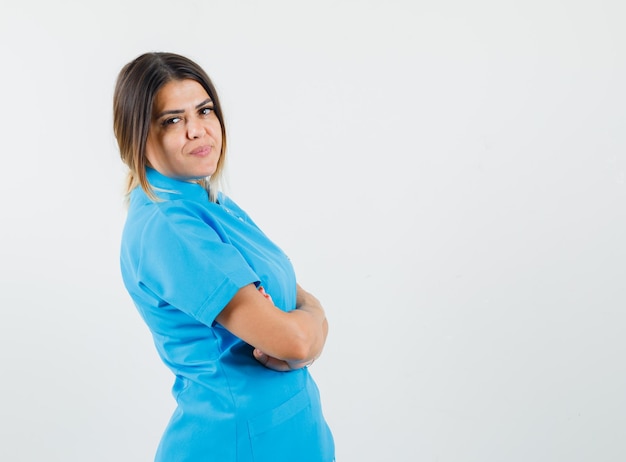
x,y
217,132
160,148
150,150
169,144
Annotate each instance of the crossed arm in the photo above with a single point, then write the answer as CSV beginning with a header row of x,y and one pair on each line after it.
x,y
283,340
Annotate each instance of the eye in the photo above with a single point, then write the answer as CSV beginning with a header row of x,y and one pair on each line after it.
x,y
171,121
206,110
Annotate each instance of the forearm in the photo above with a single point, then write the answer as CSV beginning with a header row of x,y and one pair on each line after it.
x,y
297,336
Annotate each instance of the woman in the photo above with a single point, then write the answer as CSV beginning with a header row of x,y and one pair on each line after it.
x,y
220,299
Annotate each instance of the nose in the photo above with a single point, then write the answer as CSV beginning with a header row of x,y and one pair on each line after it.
x,y
195,129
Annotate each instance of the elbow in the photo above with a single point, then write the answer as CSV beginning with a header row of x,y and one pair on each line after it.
x,y
302,340
302,346
313,342
307,343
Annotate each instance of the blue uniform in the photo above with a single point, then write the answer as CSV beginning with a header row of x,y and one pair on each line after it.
x,y
182,261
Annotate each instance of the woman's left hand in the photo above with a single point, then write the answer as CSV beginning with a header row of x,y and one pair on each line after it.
x,y
278,364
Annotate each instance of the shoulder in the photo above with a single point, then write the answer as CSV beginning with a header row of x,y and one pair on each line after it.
x,y
180,219
161,223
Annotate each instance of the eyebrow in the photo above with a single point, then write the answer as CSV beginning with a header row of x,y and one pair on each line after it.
x,y
180,111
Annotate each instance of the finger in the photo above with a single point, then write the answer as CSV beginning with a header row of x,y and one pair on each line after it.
x,y
265,294
260,356
270,362
277,365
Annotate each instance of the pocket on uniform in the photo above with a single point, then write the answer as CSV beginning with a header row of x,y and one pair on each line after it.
x,y
276,417
291,432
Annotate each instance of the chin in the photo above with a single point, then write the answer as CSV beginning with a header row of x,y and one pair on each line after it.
x,y
200,173
208,173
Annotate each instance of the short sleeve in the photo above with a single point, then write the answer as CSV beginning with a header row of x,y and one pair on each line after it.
x,y
185,262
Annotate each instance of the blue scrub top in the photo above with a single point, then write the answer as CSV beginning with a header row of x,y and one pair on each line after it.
x,y
183,258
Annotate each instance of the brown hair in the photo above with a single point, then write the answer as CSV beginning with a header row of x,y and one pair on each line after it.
x,y
137,85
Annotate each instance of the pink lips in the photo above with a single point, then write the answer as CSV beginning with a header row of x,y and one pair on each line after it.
x,y
201,151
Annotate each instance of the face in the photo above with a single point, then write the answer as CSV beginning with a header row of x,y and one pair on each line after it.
x,y
185,138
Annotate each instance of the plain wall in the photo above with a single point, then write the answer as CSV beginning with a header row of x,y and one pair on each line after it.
x,y
448,177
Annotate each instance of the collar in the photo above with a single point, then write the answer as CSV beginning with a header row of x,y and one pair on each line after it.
x,y
170,188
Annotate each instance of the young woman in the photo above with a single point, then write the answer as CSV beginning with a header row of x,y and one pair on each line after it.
x,y
220,299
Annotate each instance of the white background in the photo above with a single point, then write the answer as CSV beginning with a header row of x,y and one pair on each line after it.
x,y
448,177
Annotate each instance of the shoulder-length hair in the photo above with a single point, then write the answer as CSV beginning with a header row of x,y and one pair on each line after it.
x,y
137,85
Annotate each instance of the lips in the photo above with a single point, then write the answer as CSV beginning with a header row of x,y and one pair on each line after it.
x,y
201,151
